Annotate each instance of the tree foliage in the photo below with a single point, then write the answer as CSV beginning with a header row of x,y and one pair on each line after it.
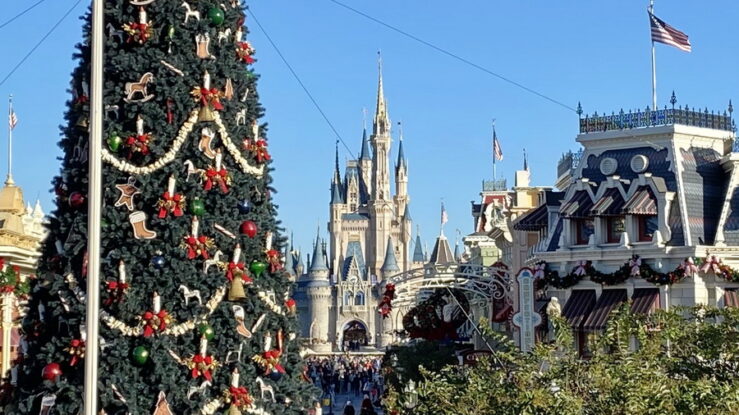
x,y
684,361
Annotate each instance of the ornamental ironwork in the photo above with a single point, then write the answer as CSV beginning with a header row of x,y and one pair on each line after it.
x,y
650,118
498,185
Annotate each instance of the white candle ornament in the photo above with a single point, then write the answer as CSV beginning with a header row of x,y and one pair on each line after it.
x,y
203,345
170,185
122,272
157,302
206,80
142,16
268,242
235,378
195,226
219,160
139,125
237,254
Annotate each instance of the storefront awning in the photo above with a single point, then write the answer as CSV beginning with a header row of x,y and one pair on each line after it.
x,y
642,202
578,206
610,204
645,300
533,220
578,307
731,299
608,301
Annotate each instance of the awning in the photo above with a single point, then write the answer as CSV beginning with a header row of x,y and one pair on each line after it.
x,y
610,204
533,220
578,307
609,300
731,299
642,202
645,300
578,206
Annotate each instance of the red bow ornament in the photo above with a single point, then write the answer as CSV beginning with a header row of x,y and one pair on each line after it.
x,y
386,304
171,203
208,97
244,52
258,149
219,177
202,365
138,32
234,270
238,396
273,258
290,305
116,291
198,246
270,360
77,350
155,322
138,144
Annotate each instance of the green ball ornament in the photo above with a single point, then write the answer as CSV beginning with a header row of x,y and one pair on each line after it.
x,y
257,267
140,355
114,142
216,16
197,207
206,331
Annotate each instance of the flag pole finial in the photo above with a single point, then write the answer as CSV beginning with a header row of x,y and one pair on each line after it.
x,y
12,121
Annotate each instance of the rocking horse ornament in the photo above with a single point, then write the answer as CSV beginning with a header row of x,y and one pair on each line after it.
x,y
139,88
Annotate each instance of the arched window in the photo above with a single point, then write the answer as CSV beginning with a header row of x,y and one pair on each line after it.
x,y
359,298
348,298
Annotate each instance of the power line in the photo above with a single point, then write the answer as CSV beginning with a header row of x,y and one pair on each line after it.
x,y
452,55
302,85
15,68
12,19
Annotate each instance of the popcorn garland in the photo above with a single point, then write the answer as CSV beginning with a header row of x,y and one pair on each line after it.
x,y
170,155
271,304
171,330
213,406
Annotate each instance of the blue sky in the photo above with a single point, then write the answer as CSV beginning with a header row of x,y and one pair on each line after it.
x,y
596,52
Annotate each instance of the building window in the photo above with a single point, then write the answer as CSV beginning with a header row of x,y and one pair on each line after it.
x,y
647,227
348,298
614,228
583,229
359,298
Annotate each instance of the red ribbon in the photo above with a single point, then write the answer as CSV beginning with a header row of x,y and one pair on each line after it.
x,y
240,396
202,366
197,247
155,322
273,258
140,32
210,96
82,99
234,270
171,203
77,350
272,357
138,144
218,176
117,290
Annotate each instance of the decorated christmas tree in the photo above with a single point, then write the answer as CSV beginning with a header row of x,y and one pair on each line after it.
x,y
196,314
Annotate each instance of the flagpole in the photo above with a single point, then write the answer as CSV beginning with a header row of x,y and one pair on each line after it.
x,y
654,61
93,220
9,180
494,172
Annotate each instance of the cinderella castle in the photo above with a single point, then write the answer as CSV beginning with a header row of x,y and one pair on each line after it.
x,y
369,240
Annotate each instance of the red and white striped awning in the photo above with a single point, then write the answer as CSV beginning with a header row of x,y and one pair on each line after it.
x,y
642,202
578,206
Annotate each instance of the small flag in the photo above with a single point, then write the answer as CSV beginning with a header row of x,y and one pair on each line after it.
x,y
664,33
497,151
444,216
12,119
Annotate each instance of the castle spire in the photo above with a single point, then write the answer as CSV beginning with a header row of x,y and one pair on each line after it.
x,y
318,260
365,153
337,172
418,254
525,160
391,263
382,121
289,258
401,155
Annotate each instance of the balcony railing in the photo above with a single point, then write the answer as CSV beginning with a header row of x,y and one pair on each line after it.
x,y
498,185
568,162
650,118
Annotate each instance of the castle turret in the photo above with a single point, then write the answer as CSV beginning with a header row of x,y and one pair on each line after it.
x,y
401,177
318,291
290,259
419,257
365,166
390,264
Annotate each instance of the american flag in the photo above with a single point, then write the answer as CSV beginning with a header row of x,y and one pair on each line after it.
x,y
664,33
497,151
12,119
444,216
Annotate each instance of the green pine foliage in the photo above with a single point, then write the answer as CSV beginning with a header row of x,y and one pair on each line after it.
x,y
684,361
56,312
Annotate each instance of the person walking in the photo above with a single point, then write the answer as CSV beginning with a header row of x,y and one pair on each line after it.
x,y
367,408
349,408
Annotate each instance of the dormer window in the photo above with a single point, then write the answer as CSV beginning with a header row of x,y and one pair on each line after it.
x,y
647,226
615,226
583,229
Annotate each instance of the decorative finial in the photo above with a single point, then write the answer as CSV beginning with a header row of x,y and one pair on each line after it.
x,y
579,110
731,108
379,61
525,160
400,130
673,99
364,118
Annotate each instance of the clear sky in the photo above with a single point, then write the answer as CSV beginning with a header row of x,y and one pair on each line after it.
x,y
596,52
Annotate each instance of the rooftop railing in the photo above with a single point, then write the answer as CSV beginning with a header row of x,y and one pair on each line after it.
x,y
650,118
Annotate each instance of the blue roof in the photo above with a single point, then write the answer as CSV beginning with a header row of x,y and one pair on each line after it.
x,y
336,196
365,153
457,252
354,253
354,216
289,258
391,263
319,261
418,255
704,183
401,157
407,213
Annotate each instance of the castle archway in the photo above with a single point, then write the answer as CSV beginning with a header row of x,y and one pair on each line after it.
x,y
354,335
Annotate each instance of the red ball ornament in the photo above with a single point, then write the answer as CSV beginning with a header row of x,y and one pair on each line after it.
x,y
249,228
51,371
76,200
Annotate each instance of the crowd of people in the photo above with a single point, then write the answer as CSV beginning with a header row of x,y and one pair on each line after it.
x,y
349,375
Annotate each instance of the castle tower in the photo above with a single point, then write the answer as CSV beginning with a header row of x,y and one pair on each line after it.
x,y
337,209
401,177
365,165
318,292
419,257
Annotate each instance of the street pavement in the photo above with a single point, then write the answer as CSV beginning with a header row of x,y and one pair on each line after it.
x,y
341,400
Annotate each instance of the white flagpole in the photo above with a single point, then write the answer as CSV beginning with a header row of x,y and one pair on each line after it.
x,y
494,144
654,59
94,214
9,180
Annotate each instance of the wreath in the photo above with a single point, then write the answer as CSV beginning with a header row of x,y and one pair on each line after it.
x,y
11,281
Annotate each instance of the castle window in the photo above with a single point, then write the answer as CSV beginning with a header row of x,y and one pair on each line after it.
x,y
348,298
647,227
583,229
359,298
614,228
